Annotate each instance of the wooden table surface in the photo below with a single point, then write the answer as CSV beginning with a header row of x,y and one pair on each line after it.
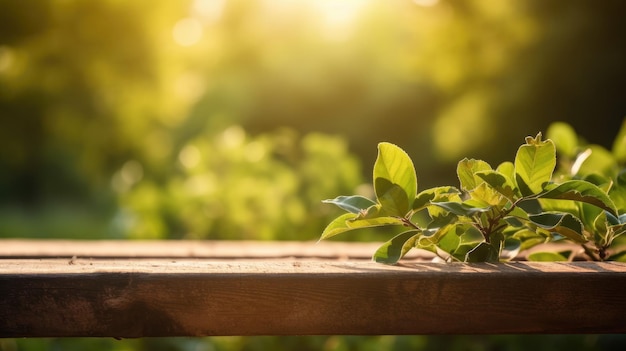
x,y
136,289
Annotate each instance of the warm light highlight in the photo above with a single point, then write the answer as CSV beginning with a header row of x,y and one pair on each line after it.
x,y
187,32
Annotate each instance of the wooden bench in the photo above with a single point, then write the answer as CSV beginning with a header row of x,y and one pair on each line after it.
x,y
128,289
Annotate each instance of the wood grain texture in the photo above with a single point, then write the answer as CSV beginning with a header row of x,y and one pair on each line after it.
x,y
227,249
20,248
196,297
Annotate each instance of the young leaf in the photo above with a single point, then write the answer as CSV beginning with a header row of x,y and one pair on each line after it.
x,y
534,164
393,250
352,204
508,169
351,221
395,166
500,183
466,170
484,196
580,190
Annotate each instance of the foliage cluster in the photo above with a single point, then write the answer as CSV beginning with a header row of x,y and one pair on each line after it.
x,y
496,212
263,187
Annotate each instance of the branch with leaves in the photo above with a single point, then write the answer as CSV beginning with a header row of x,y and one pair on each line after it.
x,y
491,216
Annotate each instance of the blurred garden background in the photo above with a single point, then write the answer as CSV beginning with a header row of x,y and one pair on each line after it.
x,y
218,119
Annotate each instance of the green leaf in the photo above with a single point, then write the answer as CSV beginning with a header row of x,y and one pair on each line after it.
x,y
602,181
595,159
564,137
529,205
458,239
338,226
563,223
351,221
500,183
352,204
508,169
600,229
442,193
461,209
619,256
529,238
393,201
617,192
373,222
450,239
469,234
619,144
554,205
483,252
466,170
547,257
511,248
588,214
442,219
580,190
484,195
395,166
534,164
393,250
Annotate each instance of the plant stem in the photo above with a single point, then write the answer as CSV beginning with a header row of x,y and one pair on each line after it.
x,y
407,222
590,253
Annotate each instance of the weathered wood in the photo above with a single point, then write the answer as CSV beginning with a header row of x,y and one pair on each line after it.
x,y
303,250
193,297
19,248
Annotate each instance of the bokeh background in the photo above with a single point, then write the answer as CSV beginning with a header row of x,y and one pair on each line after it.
x,y
218,119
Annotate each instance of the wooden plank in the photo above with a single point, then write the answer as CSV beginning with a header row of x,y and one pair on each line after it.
x,y
20,248
196,297
303,250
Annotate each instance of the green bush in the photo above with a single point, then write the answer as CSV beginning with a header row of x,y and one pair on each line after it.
x,y
236,186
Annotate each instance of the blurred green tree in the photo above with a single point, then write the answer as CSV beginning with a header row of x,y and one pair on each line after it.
x,y
92,93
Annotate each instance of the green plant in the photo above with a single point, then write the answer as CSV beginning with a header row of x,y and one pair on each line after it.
x,y
237,186
494,213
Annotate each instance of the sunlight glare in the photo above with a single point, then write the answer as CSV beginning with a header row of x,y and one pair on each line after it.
x,y
426,3
130,173
187,31
189,156
208,10
233,137
338,16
